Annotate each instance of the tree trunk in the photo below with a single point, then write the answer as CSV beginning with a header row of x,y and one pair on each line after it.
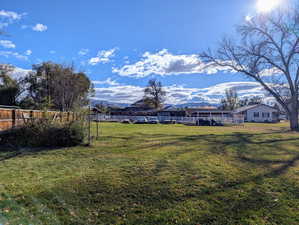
x,y
294,120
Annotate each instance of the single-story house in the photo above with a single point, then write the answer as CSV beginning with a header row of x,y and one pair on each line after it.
x,y
171,111
252,113
259,113
208,112
134,111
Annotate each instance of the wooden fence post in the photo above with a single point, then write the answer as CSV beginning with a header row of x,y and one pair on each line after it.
x,y
13,117
31,115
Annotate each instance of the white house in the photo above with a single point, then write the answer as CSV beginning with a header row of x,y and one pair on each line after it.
x,y
259,113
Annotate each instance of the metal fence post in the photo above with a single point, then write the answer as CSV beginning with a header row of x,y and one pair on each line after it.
x,y
98,125
89,126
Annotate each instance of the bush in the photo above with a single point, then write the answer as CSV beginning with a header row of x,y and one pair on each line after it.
x,y
45,133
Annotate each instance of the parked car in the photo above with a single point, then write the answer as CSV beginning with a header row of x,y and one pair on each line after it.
x,y
153,120
216,123
168,122
127,121
203,122
141,120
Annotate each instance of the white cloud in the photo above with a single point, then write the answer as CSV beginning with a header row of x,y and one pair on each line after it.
x,y
244,89
121,93
103,56
164,63
248,18
40,27
94,61
7,44
270,72
52,52
28,52
10,15
213,94
19,73
9,54
108,81
83,51
178,94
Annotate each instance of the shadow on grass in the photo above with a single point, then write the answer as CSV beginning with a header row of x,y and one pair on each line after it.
x,y
10,152
146,197
159,195
211,143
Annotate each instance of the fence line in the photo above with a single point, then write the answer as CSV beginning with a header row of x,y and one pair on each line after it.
x,y
10,118
223,119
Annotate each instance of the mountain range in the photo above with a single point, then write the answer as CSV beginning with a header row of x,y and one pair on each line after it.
x,y
123,105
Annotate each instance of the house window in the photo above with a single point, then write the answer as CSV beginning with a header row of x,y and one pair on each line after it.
x,y
265,115
256,114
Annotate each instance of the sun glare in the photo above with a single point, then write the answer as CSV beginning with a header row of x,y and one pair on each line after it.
x,y
265,6
248,18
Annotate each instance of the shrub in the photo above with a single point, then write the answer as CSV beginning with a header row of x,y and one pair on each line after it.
x,y
45,133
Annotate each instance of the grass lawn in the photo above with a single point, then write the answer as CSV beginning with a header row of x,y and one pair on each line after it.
x,y
158,174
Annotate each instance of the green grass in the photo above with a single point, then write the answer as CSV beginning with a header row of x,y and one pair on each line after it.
x,y
157,174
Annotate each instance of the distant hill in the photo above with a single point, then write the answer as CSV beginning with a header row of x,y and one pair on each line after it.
x,y
123,105
195,105
111,104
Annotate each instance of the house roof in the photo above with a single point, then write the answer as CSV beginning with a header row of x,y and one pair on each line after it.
x,y
137,103
245,108
205,109
137,109
171,109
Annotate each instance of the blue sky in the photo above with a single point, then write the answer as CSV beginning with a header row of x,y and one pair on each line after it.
x,y
122,44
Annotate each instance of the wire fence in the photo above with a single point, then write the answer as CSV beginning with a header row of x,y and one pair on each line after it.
x,y
235,119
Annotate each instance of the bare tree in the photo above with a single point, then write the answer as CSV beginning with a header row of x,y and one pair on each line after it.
x,y
268,44
231,100
154,94
254,100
